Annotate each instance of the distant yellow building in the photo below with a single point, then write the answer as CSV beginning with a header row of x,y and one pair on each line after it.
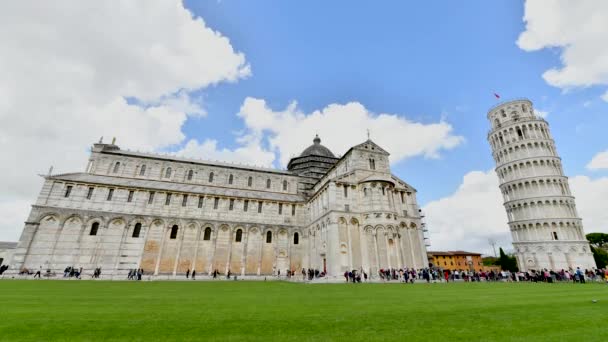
x,y
456,260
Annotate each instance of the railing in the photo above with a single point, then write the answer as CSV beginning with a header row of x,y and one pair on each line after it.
x,y
507,101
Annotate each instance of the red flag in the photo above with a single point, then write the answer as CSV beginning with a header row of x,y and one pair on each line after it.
x,y
497,96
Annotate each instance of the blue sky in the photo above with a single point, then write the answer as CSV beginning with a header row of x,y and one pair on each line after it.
x,y
253,81
423,60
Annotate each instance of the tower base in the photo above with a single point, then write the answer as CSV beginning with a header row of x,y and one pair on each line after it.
x,y
553,255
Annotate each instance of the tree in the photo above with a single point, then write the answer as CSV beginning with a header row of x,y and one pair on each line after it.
x,y
507,263
598,239
489,261
600,256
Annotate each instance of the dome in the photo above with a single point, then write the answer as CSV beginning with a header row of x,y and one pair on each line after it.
x,y
316,149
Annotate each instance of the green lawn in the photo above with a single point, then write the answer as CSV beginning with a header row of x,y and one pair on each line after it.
x,y
165,311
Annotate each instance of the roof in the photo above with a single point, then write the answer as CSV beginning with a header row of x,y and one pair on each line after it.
x,y
451,253
7,245
176,187
192,160
316,149
378,178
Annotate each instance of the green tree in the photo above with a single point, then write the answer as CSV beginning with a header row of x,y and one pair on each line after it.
x,y
507,263
600,256
598,239
490,261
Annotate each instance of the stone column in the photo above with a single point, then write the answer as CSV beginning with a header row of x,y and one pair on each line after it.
x,y
212,260
179,250
388,250
409,241
350,247
160,250
244,255
19,259
230,242
397,245
125,233
57,236
363,238
376,250
263,236
196,247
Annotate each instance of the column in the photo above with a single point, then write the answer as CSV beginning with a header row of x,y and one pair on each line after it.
x,y
216,231
244,255
160,251
399,253
409,240
196,246
388,250
230,242
262,232
179,250
122,241
376,250
350,248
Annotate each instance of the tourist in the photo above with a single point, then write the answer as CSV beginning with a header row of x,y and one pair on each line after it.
x,y
188,274
38,273
193,274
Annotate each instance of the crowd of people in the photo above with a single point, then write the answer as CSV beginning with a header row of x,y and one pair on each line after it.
x,y
135,274
71,272
405,275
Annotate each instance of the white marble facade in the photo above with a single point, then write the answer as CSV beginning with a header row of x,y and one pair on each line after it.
x,y
546,229
168,214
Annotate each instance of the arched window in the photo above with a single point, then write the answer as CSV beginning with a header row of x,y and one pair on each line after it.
x,y
284,185
190,174
249,181
211,177
207,235
239,235
168,173
296,238
173,235
268,183
116,166
94,228
142,171
268,237
230,179
136,230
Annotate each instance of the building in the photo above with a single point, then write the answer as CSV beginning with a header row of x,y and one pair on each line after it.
x,y
456,260
546,229
168,214
6,251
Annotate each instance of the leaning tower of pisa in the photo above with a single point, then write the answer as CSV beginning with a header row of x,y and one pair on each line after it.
x,y
545,227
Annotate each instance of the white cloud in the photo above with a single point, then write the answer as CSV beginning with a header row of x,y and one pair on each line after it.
x,y
68,68
591,195
470,217
541,113
341,126
580,30
250,152
599,161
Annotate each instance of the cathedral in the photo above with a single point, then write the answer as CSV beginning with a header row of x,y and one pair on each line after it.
x,y
169,215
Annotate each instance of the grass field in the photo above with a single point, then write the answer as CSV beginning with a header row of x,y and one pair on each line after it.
x,y
236,311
